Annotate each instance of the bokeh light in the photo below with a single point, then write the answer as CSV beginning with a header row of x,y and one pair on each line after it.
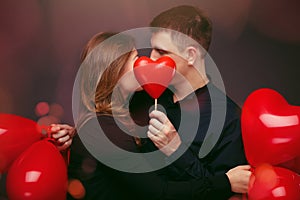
x,y
42,108
56,110
89,166
49,114
76,189
48,120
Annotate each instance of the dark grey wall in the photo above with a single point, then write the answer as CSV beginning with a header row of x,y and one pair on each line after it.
x,y
255,44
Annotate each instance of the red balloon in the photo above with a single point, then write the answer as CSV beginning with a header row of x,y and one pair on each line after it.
x,y
16,135
273,183
38,173
154,76
293,164
270,128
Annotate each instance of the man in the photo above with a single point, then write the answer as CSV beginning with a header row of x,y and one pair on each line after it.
x,y
194,85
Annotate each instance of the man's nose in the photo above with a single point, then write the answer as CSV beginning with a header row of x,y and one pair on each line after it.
x,y
153,55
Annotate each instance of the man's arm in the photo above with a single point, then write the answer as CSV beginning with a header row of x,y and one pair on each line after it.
x,y
186,164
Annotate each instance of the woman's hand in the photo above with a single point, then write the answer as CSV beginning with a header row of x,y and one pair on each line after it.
x,y
63,134
239,178
162,132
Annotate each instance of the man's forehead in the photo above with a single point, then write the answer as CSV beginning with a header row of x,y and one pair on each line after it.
x,y
162,40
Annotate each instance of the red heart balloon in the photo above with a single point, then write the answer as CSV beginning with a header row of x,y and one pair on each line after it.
x,y
293,164
16,135
39,172
154,76
273,183
270,128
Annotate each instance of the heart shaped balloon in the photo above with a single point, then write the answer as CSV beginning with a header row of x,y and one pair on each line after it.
x,y
154,76
39,172
293,165
16,134
273,183
270,128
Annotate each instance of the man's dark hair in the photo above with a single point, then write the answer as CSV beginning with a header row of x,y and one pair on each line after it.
x,y
188,20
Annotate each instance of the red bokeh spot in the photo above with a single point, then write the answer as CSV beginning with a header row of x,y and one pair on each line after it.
x,y
42,108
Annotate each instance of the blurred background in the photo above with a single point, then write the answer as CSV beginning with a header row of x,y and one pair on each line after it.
x,y
255,44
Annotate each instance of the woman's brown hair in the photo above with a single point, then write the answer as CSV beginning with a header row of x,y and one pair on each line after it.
x,y
103,61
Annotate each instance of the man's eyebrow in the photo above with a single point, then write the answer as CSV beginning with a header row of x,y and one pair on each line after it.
x,y
160,49
156,48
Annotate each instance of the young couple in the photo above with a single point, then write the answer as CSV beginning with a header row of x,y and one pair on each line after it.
x,y
121,167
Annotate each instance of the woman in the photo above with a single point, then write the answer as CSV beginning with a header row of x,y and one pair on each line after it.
x,y
101,92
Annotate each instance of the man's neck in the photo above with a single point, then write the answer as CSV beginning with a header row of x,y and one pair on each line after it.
x,y
191,83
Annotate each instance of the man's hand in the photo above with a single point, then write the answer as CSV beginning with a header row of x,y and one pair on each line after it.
x,y
162,132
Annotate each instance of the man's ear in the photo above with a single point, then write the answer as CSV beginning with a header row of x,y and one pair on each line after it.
x,y
191,55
